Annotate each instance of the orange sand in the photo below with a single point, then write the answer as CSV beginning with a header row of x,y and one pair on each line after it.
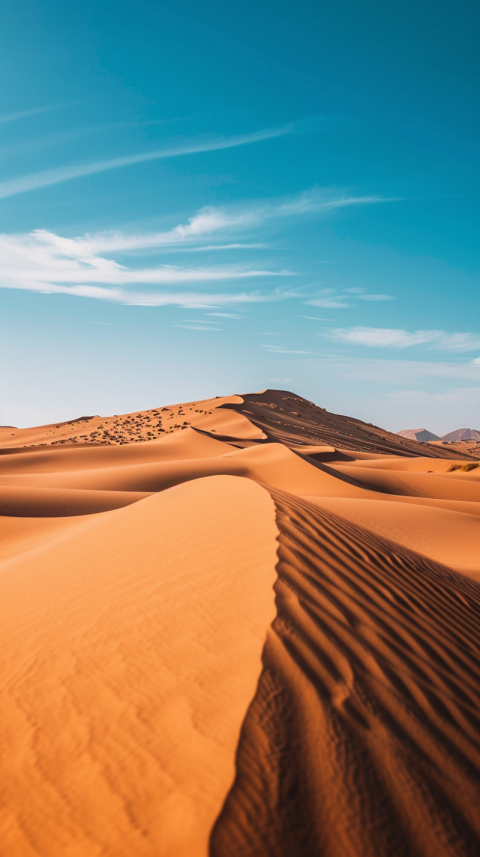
x,y
240,627
129,657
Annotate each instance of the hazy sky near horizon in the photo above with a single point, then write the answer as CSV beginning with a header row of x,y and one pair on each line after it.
x,y
201,199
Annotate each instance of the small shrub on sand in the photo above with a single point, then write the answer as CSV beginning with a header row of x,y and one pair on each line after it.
x,y
465,467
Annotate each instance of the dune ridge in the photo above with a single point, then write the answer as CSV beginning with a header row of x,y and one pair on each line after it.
x,y
364,734
253,634
128,659
277,415
295,421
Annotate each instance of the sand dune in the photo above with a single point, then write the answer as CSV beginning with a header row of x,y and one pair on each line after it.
x,y
136,427
21,534
363,736
229,424
440,486
295,421
129,657
443,535
177,446
414,465
242,627
273,464
31,502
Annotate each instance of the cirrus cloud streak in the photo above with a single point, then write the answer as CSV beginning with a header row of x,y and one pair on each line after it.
x,y
82,266
380,337
44,178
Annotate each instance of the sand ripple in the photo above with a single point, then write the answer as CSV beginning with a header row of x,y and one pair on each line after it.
x,y
364,734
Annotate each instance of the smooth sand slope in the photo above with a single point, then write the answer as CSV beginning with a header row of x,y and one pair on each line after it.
x,y
130,651
235,639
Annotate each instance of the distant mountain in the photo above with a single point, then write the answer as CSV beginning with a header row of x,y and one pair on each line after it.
x,y
421,435
461,434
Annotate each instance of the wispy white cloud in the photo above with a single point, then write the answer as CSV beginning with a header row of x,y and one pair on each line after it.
x,y
361,295
43,261
209,221
21,114
330,299
224,314
280,349
56,138
329,303
189,300
379,337
195,326
214,248
375,297
59,137
201,321
44,178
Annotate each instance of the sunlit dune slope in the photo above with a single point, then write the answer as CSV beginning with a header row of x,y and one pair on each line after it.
x,y
416,465
444,535
21,534
176,447
441,486
137,427
129,655
242,627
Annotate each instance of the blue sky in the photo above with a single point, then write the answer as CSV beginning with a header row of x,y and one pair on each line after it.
x,y
201,199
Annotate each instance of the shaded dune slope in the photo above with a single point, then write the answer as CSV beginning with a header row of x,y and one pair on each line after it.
x,y
293,420
364,735
30,502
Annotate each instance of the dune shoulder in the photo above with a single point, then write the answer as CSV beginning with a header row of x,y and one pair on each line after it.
x,y
130,651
